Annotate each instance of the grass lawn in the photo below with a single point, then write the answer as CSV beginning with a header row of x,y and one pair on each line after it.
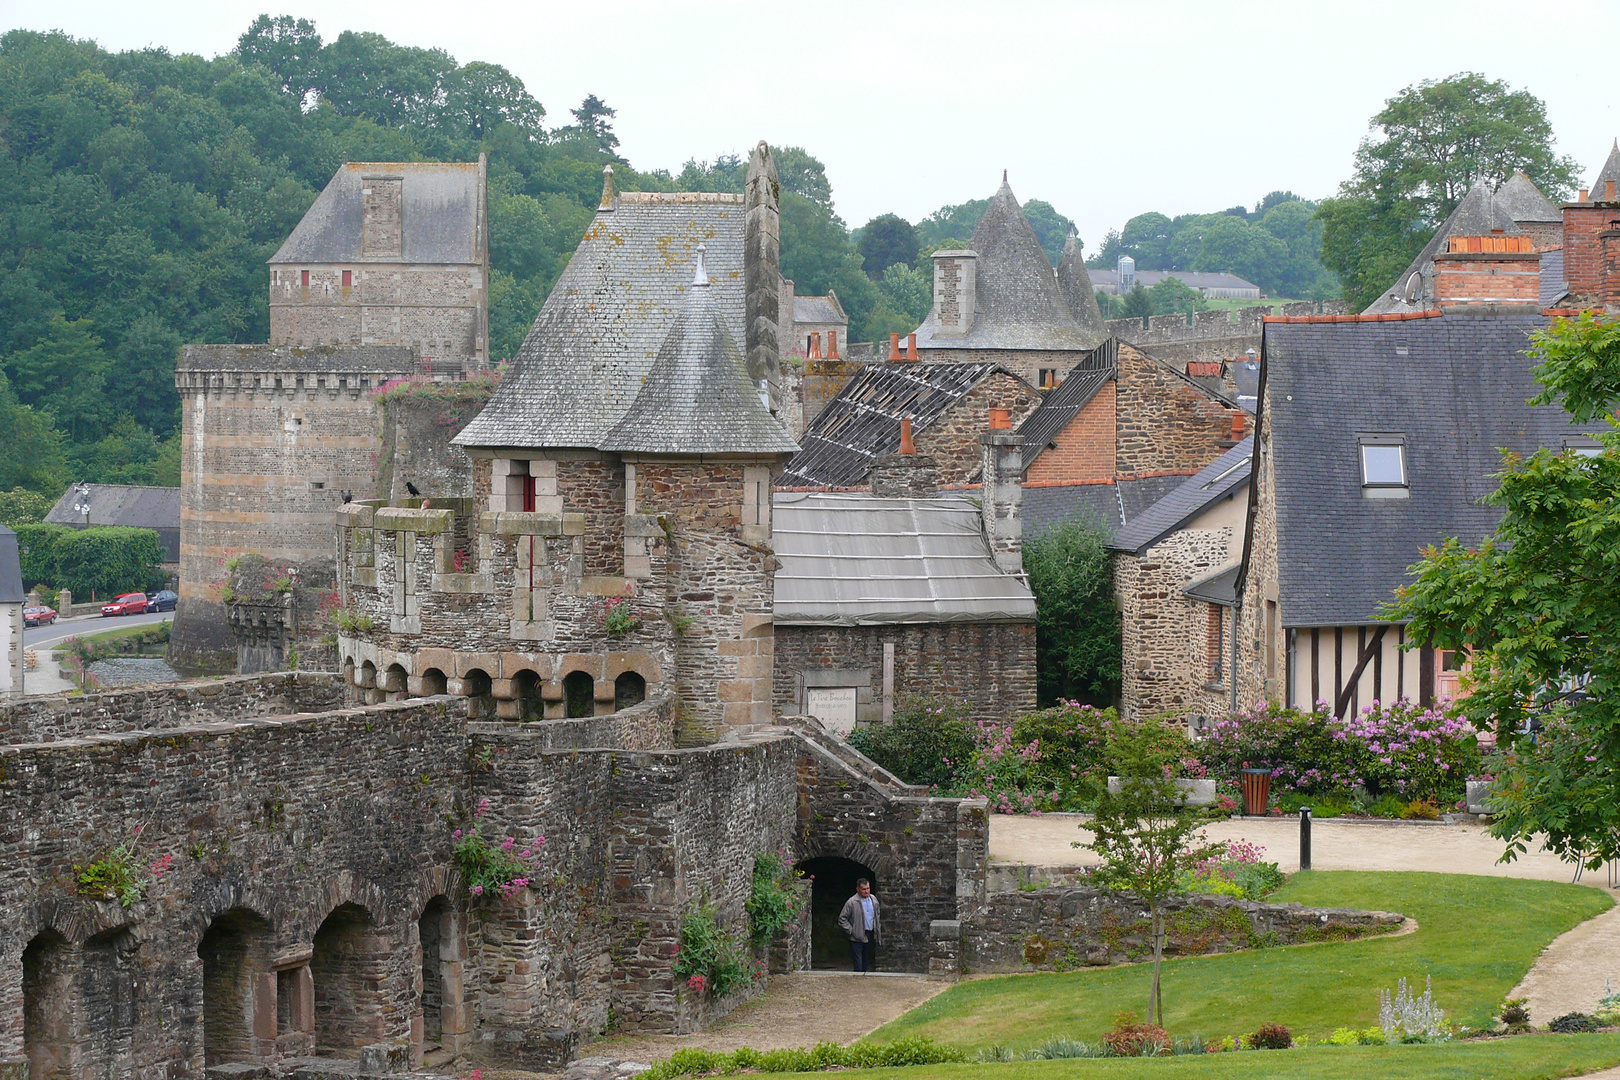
x,y
1476,937
107,637
1527,1058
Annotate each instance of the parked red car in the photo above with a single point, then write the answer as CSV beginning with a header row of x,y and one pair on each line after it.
x,y
132,603
38,616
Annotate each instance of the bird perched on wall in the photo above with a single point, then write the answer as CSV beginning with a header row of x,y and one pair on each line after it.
x,y
410,487
347,498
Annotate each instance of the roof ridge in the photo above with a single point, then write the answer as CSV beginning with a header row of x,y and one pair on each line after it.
x,y
679,198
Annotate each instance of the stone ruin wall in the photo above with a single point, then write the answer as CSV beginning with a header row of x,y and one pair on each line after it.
x,y
439,309
952,440
1166,638
1209,335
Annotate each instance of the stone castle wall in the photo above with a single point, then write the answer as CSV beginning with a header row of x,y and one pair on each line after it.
x,y
988,667
437,308
1209,335
1027,364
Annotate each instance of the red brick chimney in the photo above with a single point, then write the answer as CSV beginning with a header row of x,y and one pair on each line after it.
x,y
1493,269
1592,247
815,346
894,348
906,445
832,345
911,348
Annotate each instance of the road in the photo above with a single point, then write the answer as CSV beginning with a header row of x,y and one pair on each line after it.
x,y
89,624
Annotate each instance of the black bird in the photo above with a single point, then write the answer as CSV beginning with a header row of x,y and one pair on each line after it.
x,y
410,487
347,498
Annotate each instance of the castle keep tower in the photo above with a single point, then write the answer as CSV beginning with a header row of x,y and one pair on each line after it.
x,y
385,276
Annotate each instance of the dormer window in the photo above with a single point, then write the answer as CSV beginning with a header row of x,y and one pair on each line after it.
x,y
1583,446
1383,466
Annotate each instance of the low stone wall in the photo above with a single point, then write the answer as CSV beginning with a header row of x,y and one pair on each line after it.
x,y
204,701
648,726
1058,929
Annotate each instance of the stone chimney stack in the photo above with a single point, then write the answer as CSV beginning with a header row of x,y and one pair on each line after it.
x,y
905,474
1002,499
762,273
956,281
1495,269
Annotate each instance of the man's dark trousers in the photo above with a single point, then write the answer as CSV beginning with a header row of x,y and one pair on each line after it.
x,y
861,952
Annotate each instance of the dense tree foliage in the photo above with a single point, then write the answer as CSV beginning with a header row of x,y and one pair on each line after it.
x,y
1431,142
885,241
1077,627
1537,605
952,226
1277,245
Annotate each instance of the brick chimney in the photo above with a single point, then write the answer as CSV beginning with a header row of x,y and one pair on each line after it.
x,y
894,347
1493,269
1592,248
832,345
956,280
905,474
1002,500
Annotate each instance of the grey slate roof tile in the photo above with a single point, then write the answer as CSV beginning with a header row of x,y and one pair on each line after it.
x,y
600,330
697,397
862,423
1108,506
1458,394
1018,303
1521,200
439,210
1477,215
1553,286
1213,483
1074,281
1609,171
131,505
818,309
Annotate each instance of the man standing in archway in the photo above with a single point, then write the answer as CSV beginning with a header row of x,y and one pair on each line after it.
x,y
860,920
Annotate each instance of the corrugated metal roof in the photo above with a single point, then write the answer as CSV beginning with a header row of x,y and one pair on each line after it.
x,y
1214,482
606,318
862,423
858,560
439,213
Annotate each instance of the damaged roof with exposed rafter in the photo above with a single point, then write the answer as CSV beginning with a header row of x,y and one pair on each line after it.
x,y
600,330
862,423
1018,304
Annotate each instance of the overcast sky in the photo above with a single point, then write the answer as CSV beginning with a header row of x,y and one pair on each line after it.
x,y
1105,110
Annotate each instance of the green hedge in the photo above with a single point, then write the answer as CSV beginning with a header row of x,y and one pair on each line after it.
x,y
105,561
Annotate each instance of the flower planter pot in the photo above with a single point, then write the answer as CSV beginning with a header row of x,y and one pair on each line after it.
x,y
1256,791
1478,796
1199,792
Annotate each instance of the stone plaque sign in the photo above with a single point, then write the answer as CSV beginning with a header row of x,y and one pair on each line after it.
x,y
833,706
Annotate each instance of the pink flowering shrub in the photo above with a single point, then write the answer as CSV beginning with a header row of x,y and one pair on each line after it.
x,y
1401,749
504,869
1237,869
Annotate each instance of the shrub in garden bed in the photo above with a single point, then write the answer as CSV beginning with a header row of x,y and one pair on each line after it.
x,y
1236,870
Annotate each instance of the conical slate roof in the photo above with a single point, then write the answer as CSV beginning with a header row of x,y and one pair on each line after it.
x,y
1610,171
1019,304
697,397
1478,214
1521,200
1074,281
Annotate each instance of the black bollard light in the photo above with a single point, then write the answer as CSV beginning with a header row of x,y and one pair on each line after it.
x,y
1304,838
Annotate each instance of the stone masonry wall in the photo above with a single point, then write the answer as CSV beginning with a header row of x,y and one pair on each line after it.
x,y
1027,364
1166,641
1065,928
435,309
952,440
1165,424
595,488
1211,335
163,708
416,430
989,667
270,825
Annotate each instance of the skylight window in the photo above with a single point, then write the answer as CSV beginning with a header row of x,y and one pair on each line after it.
x,y
1383,467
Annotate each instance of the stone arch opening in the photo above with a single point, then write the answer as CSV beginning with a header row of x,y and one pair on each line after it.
x,y
833,882
441,931
107,996
478,688
239,989
349,967
526,689
368,675
629,689
579,694
48,1005
433,682
393,682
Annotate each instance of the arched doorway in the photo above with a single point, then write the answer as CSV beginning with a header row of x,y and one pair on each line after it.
x,y
235,951
526,688
107,1001
48,1005
349,967
433,682
440,931
629,689
833,883
579,693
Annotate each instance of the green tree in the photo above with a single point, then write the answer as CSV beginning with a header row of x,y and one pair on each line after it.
x,y
594,122
1144,835
287,48
1077,626
1051,228
19,506
1146,238
1107,257
1432,142
478,96
1537,606
799,173
1137,303
65,376
887,240
1171,296
1231,244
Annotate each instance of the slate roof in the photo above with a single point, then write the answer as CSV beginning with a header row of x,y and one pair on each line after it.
x,y
1213,483
440,208
1610,171
818,309
1074,281
1108,280
11,590
601,328
1477,215
697,397
1457,395
1108,506
1064,404
130,505
1018,303
1217,588
857,560
1553,286
862,423
1521,200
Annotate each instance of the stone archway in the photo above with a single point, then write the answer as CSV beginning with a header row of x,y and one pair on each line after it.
x,y
834,882
579,694
629,689
239,989
349,968
49,1007
441,932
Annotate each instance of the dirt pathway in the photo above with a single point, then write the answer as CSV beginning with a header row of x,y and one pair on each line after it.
x,y
800,1009
1568,976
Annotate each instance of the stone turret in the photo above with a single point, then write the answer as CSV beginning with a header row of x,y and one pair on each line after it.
x,y
1075,283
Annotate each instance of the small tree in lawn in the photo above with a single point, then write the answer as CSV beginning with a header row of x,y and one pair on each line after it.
x,y
1144,836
